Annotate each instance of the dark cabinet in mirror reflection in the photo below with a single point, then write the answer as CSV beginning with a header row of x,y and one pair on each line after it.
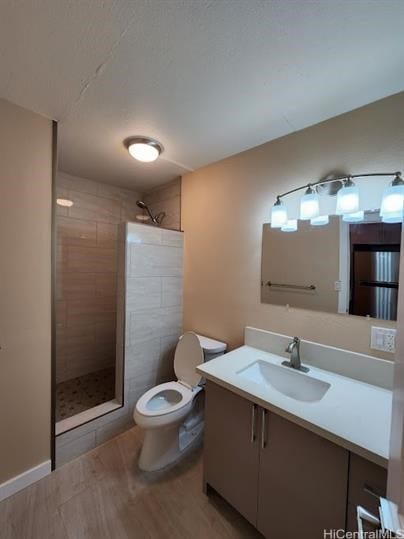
x,y
375,265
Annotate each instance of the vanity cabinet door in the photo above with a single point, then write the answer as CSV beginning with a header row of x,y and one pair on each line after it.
x,y
303,482
231,449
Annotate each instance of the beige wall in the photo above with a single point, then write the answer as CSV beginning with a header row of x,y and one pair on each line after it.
x,y
87,240
25,289
225,204
166,198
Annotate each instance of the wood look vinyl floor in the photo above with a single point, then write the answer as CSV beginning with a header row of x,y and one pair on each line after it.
x,y
103,494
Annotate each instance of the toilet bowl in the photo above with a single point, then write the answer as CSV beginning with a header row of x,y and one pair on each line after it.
x,y
172,413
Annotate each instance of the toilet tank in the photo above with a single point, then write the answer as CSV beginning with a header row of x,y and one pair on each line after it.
x,y
211,348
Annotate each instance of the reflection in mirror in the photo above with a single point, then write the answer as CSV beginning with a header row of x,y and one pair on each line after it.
x,y
341,267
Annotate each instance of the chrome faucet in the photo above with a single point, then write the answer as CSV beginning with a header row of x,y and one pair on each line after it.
x,y
293,348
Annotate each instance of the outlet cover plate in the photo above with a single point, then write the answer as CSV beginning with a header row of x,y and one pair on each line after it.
x,y
383,339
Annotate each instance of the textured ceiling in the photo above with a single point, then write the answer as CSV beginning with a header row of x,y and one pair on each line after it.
x,y
206,78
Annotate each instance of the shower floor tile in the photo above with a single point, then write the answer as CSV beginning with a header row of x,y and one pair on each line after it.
x,y
84,392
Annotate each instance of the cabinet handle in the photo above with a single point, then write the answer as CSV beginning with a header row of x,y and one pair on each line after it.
x,y
253,437
263,434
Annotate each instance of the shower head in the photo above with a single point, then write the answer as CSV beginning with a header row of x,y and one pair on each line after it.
x,y
157,220
141,205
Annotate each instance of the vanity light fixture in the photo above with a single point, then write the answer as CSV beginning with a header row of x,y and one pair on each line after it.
x,y
347,198
393,217
309,204
355,217
144,149
321,220
347,205
289,226
393,198
279,214
64,202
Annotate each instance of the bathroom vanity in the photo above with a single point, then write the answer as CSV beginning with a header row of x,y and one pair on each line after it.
x,y
296,453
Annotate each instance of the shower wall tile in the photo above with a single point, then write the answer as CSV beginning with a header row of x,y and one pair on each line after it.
x,y
145,355
173,238
86,282
171,291
153,306
76,232
94,208
143,293
106,285
75,286
140,234
155,260
167,199
107,235
91,259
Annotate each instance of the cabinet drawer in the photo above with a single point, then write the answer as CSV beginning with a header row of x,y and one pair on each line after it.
x,y
367,481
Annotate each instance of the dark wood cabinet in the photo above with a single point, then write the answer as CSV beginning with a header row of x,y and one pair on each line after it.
x,y
284,479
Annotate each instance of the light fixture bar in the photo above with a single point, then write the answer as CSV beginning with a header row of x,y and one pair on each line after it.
x,y
338,179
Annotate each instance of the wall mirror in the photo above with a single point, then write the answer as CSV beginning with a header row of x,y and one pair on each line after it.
x,y
340,268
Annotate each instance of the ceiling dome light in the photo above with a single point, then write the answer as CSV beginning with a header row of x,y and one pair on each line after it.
x,y
279,215
309,204
348,198
393,198
64,202
144,149
320,220
290,226
356,217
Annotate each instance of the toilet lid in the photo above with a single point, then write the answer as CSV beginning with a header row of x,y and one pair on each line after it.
x,y
188,355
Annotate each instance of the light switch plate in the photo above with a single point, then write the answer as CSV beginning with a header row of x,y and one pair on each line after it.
x,y
383,339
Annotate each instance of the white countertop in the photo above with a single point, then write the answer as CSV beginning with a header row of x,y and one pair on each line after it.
x,y
352,414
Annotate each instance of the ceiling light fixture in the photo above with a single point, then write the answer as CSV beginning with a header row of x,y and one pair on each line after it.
x,y
391,207
144,149
64,202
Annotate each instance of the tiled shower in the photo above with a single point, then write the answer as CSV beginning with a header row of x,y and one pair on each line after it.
x,y
145,307
86,282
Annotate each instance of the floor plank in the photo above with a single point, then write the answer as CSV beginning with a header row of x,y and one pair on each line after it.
x,y
103,494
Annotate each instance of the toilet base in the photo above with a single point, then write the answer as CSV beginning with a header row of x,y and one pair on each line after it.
x,y
162,447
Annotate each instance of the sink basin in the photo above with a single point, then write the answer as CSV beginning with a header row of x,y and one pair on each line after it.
x,y
285,380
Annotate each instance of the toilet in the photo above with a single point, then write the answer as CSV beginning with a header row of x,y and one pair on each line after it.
x,y
172,413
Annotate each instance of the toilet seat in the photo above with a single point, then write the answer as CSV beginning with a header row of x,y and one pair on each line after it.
x,y
145,404
188,355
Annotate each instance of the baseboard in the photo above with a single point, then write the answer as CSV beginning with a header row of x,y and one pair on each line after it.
x,y
13,485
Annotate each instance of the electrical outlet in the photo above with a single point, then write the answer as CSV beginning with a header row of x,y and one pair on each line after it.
x,y
383,339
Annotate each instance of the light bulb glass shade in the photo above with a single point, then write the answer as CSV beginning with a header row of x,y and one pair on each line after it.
x,y
279,215
355,217
142,151
290,226
393,217
347,200
320,220
393,200
309,205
